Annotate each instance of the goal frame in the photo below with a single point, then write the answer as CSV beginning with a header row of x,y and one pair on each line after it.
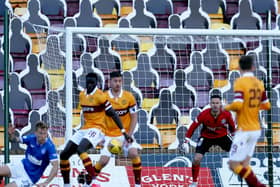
x,y
143,31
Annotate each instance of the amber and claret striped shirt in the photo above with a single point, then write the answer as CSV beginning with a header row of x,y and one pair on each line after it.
x,y
249,98
94,106
124,105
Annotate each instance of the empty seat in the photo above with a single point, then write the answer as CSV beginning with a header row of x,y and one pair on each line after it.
x,y
163,60
20,45
161,9
108,11
145,77
246,18
195,17
140,17
183,95
165,115
199,77
215,9
72,7
35,81
147,135
127,46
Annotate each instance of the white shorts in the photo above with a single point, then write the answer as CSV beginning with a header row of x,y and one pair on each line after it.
x,y
19,175
126,147
95,136
243,145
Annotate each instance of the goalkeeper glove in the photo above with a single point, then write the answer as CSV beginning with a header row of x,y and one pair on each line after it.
x,y
185,146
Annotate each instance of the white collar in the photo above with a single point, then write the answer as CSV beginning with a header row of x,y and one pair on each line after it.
x,y
93,91
112,96
248,74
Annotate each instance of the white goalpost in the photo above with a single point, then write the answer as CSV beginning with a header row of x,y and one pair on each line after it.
x,y
171,73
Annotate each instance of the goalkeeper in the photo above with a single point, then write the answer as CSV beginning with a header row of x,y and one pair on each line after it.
x,y
94,106
125,105
215,131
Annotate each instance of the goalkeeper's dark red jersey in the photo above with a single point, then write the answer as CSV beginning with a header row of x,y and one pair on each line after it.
x,y
212,127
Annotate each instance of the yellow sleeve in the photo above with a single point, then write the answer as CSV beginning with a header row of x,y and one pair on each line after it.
x,y
237,103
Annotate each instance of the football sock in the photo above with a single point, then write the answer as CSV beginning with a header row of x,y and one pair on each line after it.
x,y
195,172
248,175
97,169
65,171
136,164
87,163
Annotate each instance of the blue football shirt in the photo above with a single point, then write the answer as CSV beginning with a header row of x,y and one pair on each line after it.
x,y
37,156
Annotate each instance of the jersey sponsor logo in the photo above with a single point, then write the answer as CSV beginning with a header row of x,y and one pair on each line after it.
x,y
122,112
124,101
34,160
87,109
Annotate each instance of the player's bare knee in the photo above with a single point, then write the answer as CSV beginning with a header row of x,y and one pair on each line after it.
x,y
232,165
132,153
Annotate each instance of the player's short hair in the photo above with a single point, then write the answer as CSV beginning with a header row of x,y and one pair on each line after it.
x,y
216,96
91,75
41,125
115,74
246,62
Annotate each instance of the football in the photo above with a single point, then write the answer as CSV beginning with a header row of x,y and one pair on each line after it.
x,y
115,146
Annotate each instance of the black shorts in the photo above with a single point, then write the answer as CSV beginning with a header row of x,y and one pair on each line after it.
x,y
204,144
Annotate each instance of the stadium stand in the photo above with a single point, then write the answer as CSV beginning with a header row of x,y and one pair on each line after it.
x,y
127,46
108,11
162,10
51,54
146,135
55,10
227,90
183,95
86,66
20,45
165,116
195,17
79,42
20,101
128,85
163,60
199,77
35,80
150,85
140,17
246,18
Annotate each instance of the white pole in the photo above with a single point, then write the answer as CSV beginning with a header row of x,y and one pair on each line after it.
x,y
68,84
138,31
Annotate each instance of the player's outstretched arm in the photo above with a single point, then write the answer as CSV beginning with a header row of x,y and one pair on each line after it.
x,y
52,174
111,112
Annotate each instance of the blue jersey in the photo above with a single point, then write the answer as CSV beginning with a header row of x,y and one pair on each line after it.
x,y
37,156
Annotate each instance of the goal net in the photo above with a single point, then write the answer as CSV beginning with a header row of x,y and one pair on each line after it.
x,y
172,74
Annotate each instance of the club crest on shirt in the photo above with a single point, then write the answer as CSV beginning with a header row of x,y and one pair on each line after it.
x,y
124,101
223,121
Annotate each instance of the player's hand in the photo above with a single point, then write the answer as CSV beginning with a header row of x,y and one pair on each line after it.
x,y
127,138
